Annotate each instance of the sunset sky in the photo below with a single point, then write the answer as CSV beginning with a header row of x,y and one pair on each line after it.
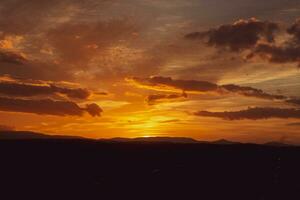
x,y
206,69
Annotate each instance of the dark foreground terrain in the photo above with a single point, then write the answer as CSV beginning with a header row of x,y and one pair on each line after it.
x,y
86,169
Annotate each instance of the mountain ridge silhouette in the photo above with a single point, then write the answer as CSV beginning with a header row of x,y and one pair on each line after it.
x,y
27,135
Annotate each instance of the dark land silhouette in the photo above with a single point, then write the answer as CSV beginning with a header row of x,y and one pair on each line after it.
x,y
56,167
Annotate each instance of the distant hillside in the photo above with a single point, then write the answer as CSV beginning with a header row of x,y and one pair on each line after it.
x,y
156,139
21,135
276,144
224,142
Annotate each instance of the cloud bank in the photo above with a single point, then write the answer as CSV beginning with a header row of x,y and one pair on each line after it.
x,y
161,98
242,34
160,83
48,107
253,113
20,89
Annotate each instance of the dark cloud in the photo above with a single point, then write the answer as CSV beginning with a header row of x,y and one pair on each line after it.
x,y
256,36
294,101
161,83
254,113
12,57
277,54
240,35
287,52
79,93
159,98
16,89
168,84
93,109
294,124
295,30
17,65
251,92
47,107
102,93
35,69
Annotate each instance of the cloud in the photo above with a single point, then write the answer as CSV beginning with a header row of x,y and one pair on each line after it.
x,y
256,36
160,98
93,109
17,64
294,101
294,124
79,93
287,52
102,93
12,57
295,30
20,89
277,54
19,17
253,113
171,121
251,92
47,107
160,83
78,43
33,69
72,48
69,39
242,34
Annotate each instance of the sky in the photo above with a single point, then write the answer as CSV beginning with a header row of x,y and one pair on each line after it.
x,y
203,69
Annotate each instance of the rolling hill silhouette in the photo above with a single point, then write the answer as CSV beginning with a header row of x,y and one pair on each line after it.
x,y
35,165
156,139
21,135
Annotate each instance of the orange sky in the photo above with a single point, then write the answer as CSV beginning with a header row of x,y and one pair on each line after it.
x,y
104,69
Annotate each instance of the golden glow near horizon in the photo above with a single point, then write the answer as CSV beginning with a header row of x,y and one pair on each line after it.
x,y
91,69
